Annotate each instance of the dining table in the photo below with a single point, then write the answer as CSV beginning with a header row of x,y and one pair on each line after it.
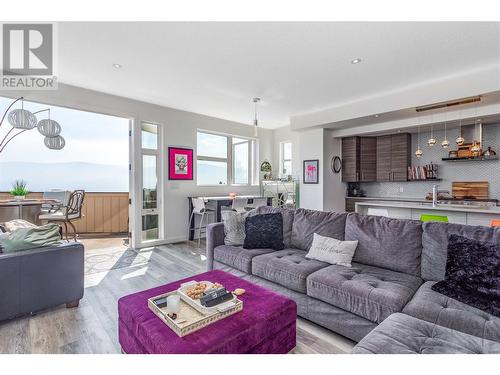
x,y
26,209
218,202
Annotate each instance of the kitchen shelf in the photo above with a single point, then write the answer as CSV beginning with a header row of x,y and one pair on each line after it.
x,y
472,158
425,179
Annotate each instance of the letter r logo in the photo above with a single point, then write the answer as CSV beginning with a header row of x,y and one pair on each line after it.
x,y
27,49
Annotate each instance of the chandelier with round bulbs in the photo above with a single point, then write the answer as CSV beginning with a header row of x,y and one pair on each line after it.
x,y
23,120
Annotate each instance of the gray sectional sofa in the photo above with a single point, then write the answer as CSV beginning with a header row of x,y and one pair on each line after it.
x,y
385,301
36,279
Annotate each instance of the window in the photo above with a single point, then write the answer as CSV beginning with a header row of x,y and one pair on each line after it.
x,y
286,158
95,158
150,211
224,159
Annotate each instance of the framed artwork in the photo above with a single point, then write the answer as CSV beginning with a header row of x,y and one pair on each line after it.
x,y
180,163
311,171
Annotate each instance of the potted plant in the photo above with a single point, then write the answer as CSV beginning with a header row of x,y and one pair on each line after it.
x,y
19,190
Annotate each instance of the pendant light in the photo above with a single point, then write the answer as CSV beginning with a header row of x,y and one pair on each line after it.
x,y
419,151
431,141
445,143
255,121
460,140
476,146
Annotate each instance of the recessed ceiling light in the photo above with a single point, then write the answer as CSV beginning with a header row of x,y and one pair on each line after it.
x,y
377,115
117,66
356,61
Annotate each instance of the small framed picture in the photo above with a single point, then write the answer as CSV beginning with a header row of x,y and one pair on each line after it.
x,y
311,171
180,163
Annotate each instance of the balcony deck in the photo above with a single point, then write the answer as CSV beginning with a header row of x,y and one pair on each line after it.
x,y
103,213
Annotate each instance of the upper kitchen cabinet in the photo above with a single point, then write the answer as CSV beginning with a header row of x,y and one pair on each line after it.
x,y
359,159
393,157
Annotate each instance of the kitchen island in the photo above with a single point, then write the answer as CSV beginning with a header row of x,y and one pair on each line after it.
x,y
456,213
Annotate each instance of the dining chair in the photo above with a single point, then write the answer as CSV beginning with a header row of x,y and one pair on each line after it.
x,y
495,223
257,202
377,212
68,213
58,197
199,209
239,204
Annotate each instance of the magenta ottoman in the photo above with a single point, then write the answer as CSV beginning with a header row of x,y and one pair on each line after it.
x,y
267,323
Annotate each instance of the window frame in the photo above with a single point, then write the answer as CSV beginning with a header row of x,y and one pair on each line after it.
x,y
282,157
229,160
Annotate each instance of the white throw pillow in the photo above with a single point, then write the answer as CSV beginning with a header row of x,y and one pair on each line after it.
x,y
234,227
331,250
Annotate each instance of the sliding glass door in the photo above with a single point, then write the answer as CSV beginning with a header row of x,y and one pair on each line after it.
x,y
151,215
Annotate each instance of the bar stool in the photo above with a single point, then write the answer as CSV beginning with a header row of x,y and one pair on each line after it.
x,y
257,202
199,209
442,219
378,212
495,223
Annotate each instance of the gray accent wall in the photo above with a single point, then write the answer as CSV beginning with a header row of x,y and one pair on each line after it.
x,y
448,171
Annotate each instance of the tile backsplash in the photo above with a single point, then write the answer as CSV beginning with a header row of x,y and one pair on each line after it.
x,y
448,171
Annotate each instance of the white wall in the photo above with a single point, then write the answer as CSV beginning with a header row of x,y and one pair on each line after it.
x,y
334,191
179,129
311,147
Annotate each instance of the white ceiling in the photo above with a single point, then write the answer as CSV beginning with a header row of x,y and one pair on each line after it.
x,y
296,68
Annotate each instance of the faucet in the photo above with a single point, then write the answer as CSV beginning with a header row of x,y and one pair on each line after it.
x,y
435,195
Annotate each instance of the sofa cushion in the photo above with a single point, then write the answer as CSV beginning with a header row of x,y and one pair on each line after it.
x,y
395,244
308,222
264,231
435,244
370,292
287,221
437,308
403,334
472,274
288,267
238,257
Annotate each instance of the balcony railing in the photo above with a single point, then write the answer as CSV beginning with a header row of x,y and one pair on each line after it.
x,y
103,213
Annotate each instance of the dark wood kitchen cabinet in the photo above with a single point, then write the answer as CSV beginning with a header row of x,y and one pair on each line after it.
x,y
393,157
359,159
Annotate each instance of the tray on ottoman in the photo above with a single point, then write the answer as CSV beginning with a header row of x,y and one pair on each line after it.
x,y
267,323
190,319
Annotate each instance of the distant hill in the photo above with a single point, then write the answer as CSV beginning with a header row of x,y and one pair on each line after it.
x,y
70,176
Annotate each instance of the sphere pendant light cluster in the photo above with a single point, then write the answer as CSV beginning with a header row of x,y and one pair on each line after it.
x,y
23,120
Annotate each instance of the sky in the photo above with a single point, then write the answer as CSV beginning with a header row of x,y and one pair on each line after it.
x,y
91,138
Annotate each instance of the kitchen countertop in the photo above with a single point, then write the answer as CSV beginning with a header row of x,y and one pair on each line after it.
x,y
401,199
428,206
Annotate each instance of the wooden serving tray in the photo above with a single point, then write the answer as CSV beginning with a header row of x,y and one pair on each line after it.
x,y
191,320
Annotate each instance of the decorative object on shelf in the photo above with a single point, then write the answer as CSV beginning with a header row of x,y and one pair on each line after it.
x,y
265,166
489,152
418,152
460,140
255,121
431,141
475,149
453,154
445,143
180,163
311,171
425,172
23,120
19,190
336,164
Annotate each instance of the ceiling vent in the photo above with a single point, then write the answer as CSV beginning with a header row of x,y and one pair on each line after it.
x,y
430,107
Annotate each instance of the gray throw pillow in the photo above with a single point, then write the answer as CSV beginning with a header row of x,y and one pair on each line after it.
x,y
234,227
331,250
29,238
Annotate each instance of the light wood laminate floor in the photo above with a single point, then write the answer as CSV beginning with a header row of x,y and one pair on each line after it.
x,y
92,327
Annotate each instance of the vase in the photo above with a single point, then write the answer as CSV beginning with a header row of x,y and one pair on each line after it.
x,y
19,197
